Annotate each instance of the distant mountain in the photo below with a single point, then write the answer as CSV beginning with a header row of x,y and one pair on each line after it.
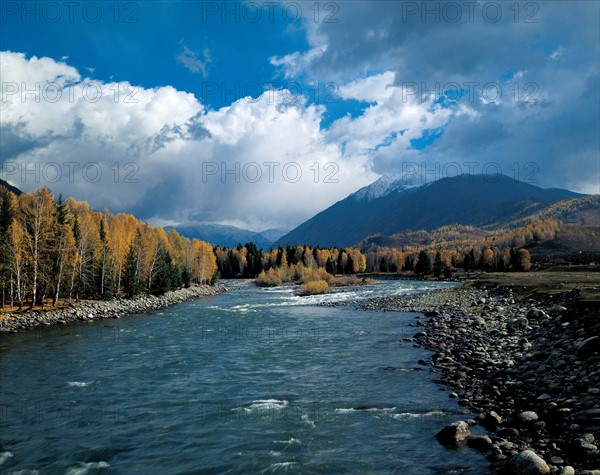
x,y
222,235
274,234
9,187
392,204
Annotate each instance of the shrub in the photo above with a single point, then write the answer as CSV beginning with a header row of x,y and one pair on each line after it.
x,y
270,278
314,287
352,280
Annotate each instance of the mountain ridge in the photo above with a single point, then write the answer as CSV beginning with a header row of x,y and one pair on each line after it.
x,y
477,200
9,187
222,234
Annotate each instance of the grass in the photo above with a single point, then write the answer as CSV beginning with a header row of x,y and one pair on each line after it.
x,y
546,282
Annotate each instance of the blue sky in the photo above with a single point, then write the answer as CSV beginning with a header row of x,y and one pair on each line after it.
x,y
341,92
141,41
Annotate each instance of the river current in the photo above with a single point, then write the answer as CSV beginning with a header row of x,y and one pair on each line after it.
x,y
250,381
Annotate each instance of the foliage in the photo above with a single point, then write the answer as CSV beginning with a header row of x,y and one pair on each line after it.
x,y
51,250
314,287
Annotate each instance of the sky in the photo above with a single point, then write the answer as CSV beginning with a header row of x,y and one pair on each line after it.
x,y
262,114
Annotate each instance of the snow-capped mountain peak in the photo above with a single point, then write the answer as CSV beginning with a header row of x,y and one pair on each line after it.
x,y
386,184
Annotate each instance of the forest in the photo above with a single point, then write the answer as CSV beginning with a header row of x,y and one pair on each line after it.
x,y
53,250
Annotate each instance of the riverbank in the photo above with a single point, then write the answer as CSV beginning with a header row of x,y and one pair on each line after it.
x,y
526,362
86,310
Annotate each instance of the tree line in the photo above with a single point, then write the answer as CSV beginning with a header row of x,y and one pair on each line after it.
x,y
249,261
52,249
299,263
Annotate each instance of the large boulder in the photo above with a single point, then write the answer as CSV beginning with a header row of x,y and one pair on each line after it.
x,y
454,435
526,463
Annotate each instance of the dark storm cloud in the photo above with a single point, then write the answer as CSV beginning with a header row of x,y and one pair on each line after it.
x,y
542,56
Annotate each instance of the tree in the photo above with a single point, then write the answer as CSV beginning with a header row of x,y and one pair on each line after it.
x,y
7,214
204,263
409,262
105,276
438,264
167,275
383,267
423,265
523,260
132,279
35,215
350,264
17,258
63,247
86,233
330,266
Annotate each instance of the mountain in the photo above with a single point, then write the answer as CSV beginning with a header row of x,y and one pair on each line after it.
x,y
222,235
273,234
391,205
9,187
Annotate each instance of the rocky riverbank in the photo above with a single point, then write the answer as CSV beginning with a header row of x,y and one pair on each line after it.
x,y
528,368
99,309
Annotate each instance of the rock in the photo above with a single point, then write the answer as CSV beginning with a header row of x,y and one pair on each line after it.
x,y
589,346
526,463
508,432
479,442
536,314
491,420
478,322
454,435
587,438
568,470
518,324
528,416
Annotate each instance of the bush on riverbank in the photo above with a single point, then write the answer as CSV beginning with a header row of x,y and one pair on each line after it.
x,y
271,278
350,281
296,273
314,287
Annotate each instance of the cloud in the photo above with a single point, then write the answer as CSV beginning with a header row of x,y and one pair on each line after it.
x,y
272,162
160,154
542,62
192,61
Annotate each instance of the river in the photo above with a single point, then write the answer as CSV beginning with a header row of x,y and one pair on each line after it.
x,y
250,381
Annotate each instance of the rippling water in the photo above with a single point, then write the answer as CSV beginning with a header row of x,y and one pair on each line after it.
x,y
251,381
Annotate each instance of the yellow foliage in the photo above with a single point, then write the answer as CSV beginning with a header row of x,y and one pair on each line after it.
x,y
314,287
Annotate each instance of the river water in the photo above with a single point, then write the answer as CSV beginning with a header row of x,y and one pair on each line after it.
x,y
250,381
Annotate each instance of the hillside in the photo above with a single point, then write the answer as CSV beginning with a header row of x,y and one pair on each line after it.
x,y
9,187
474,200
222,235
